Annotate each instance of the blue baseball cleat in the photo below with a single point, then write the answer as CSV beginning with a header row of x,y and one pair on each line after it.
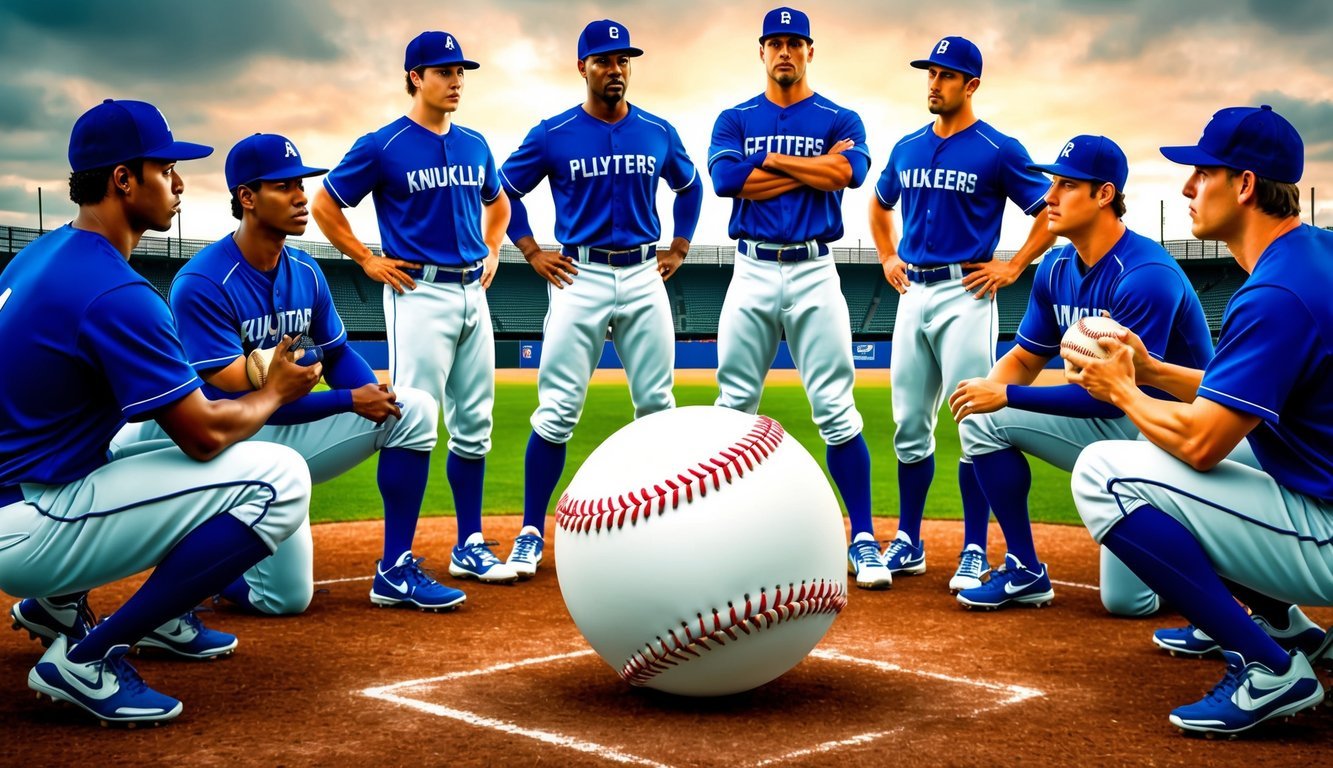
x,y
108,689
473,559
1250,694
1301,634
405,583
901,556
527,552
44,620
866,565
1013,583
188,638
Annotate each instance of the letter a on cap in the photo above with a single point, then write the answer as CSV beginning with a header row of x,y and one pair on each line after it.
x,y
449,42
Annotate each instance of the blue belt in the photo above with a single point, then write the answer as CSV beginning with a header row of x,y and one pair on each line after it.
x,y
433,274
612,257
934,275
10,494
782,252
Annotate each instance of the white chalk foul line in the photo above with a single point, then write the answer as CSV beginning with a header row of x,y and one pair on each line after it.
x,y
343,581
1075,584
1015,694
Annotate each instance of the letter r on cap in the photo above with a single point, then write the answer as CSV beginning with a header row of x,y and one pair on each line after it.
x,y
786,17
614,32
1068,148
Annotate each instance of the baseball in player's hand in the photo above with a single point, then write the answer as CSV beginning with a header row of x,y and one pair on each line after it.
x,y
1143,361
985,279
977,396
489,265
669,260
895,272
388,270
556,268
288,378
1104,379
375,402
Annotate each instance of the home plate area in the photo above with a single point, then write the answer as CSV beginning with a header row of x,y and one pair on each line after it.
x,y
830,703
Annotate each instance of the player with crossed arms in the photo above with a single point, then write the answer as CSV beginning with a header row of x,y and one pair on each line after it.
x,y
98,347
1181,513
952,178
603,159
784,157
241,294
1106,269
441,215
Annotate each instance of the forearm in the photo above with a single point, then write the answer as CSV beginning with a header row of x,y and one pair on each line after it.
x,y
333,223
494,221
1011,369
828,173
1039,241
765,185
1176,380
312,407
685,213
519,228
883,230
1172,426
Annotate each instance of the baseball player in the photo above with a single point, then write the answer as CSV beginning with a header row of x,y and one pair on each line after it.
x,y
784,157
1176,509
236,296
604,159
99,348
441,216
952,178
1108,269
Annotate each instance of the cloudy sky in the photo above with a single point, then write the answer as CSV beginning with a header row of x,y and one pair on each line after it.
x,y
323,72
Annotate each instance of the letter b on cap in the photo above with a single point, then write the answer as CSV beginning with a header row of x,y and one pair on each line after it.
x,y
786,17
942,47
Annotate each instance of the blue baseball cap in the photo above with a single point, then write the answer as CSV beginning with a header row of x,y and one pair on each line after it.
x,y
266,157
786,21
435,49
1253,139
1090,158
605,36
117,131
956,53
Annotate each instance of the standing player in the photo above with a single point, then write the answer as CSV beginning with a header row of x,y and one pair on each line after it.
x,y
1106,268
1175,509
785,156
441,216
952,177
99,346
238,295
604,159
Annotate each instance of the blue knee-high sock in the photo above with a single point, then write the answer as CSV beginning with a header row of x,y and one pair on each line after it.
x,y
465,480
976,512
913,484
542,466
849,464
1163,553
402,478
203,562
1006,479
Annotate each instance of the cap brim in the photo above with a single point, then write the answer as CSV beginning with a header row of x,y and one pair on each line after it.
x,y
627,51
179,150
1190,156
292,172
928,63
464,63
1057,169
808,40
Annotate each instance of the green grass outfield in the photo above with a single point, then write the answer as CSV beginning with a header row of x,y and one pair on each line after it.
x,y
354,496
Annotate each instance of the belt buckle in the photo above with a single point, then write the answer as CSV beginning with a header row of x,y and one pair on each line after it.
x,y
782,251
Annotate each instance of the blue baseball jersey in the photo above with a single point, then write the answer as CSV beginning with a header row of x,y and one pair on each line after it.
x,y
89,345
225,308
428,190
1275,360
750,130
953,192
603,176
1137,282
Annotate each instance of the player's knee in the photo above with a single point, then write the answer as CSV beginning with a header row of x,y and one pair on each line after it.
x,y
292,600
282,483
416,429
978,434
843,427
1130,603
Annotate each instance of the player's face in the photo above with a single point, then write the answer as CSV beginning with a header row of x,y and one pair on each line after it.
x,y
607,75
947,90
282,206
442,87
1071,205
785,58
1213,203
153,202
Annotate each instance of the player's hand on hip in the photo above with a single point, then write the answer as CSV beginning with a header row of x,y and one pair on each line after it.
x,y
388,270
1106,378
375,402
984,279
975,396
669,260
288,378
556,268
895,272
489,265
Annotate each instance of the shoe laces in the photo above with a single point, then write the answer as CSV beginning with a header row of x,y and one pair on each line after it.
x,y
1223,691
865,553
895,548
414,573
972,563
192,621
126,675
525,547
483,552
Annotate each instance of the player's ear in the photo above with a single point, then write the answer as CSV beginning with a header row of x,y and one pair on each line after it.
x,y
583,69
972,85
1105,194
120,179
1245,183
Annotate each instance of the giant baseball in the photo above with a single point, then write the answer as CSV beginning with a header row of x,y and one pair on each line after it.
x,y
701,551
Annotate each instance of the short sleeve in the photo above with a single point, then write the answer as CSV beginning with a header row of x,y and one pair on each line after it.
x,y
1268,330
1027,189
679,172
848,125
1038,332
887,188
357,173
490,183
1145,301
206,322
526,168
129,333
727,142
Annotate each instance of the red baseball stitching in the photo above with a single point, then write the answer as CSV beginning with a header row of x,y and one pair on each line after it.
x,y
741,617
1076,347
1090,333
585,515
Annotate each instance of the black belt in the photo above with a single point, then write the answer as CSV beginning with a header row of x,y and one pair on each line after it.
x,y
782,252
613,257
10,494
433,274
928,276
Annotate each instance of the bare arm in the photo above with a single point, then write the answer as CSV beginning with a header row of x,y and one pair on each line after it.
x,y
766,185
985,279
827,173
884,231
494,220
335,226
1018,366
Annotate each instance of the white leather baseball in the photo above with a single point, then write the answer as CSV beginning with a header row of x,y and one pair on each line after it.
x,y
701,551
1082,336
256,366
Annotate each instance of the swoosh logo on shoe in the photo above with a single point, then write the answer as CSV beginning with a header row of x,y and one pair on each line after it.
x,y
402,588
95,688
177,634
1251,696
1012,589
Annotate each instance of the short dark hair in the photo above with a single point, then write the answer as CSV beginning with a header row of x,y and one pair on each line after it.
x,y
1275,198
89,187
236,209
407,78
1117,202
